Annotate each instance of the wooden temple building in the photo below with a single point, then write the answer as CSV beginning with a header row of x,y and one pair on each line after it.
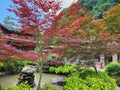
x,y
17,39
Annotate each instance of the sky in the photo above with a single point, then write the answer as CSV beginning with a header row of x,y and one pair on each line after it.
x,y
4,5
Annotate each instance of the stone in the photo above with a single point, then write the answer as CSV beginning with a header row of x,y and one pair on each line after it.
x,y
27,75
57,80
61,83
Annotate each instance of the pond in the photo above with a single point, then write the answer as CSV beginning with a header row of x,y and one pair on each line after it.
x,y
11,80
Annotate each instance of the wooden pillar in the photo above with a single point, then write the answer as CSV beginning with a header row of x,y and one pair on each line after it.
x,y
115,58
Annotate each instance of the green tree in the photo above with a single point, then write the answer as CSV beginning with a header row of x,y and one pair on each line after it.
x,y
88,4
103,5
112,19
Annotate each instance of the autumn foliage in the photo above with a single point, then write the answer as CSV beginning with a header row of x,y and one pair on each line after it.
x,y
34,14
72,33
65,32
34,17
79,34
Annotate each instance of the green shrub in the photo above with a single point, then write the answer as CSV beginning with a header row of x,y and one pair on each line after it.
x,y
46,69
66,69
87,79
1,64
22,86
85,72
113,70
12,67
25,86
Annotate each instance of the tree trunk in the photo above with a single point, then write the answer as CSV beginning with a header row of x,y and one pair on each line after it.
x,y
40,73
96,71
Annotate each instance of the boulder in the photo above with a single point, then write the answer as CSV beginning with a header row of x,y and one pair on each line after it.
x,y
58,80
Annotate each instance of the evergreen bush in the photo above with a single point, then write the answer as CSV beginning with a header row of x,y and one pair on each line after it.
x,y
113,70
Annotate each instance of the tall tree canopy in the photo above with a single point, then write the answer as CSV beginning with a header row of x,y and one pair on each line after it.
x,y
96,7
34,17
112,19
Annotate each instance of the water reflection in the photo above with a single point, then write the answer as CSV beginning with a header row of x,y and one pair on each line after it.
x,y
11,80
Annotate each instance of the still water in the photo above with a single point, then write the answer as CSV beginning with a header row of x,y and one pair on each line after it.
x,y
11,80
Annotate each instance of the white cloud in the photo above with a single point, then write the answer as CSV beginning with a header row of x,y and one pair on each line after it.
x,y
67,3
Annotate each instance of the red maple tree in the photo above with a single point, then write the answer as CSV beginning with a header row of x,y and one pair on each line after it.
x,y
34,17
65,29
74,43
